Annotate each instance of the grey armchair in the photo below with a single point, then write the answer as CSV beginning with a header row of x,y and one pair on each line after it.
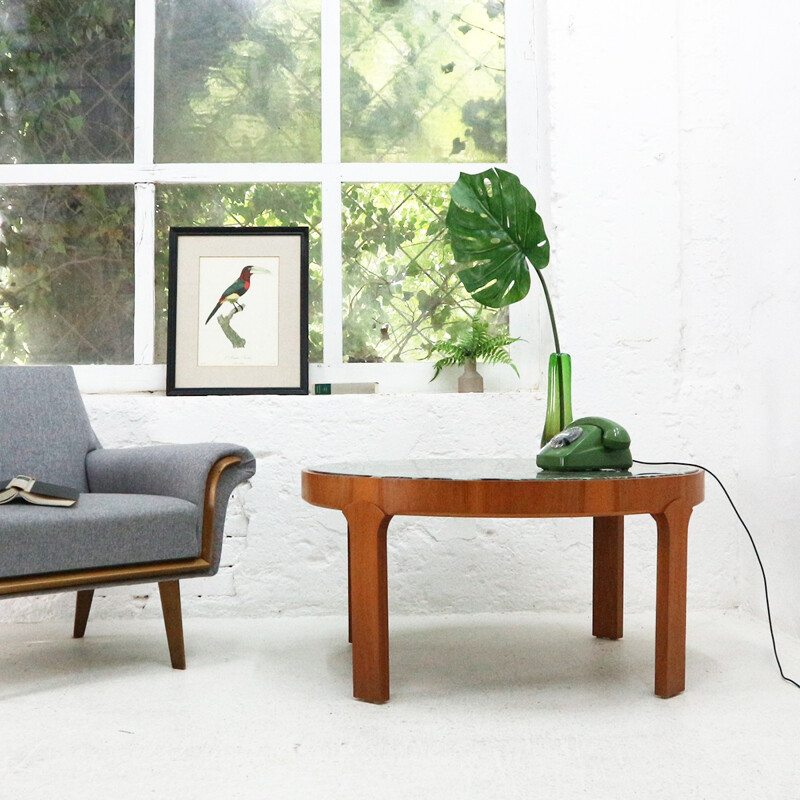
x,y
144,514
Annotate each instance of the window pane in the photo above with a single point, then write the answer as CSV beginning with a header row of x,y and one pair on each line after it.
x,y
261,205
66,274
66,81
423,80
238,81
400,288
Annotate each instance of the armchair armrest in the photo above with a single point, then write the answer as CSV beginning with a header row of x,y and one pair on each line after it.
x,y
174,470
177,470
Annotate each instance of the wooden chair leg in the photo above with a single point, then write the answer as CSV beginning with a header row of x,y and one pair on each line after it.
x,y
173,622
83,605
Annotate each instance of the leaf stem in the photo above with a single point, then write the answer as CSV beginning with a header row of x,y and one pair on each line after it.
x,y
550,311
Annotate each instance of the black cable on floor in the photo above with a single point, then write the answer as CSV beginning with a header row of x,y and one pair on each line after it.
x,y
749,536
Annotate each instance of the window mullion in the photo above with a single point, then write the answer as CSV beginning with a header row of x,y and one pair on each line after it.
x,y
144,84
144,195
331,184
144,273
408,172
65,174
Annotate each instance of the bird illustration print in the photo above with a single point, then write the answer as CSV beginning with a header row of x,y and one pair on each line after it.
x,y
234,292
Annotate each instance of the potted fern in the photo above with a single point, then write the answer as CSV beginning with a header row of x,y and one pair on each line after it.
x,y
477,344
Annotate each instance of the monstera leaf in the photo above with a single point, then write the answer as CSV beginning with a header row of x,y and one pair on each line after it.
x,y
493,223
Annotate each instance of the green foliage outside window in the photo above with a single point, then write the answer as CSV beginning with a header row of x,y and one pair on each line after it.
x,y
66,81
238,81
423,81
66,252
66,274
401,290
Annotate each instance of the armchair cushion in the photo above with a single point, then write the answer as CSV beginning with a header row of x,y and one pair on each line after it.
x,y
46,432
101,530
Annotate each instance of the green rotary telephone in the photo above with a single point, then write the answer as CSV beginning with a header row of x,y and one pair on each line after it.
x,y
589,443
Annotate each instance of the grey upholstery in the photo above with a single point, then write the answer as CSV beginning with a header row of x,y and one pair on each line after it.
x,y
144,513
44,429
142,504
102,530
176,470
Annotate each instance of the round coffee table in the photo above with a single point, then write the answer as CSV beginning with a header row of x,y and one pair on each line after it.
x,y
371,493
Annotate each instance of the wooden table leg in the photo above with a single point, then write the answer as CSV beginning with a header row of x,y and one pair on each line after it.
x,y
673,527
608,574
369,606
349,593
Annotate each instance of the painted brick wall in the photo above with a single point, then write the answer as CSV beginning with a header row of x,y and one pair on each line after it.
x,y
284,556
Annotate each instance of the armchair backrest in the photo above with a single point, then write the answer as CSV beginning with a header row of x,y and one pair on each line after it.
x,y
44,429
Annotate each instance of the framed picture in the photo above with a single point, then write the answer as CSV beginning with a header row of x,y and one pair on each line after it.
x,y
238,311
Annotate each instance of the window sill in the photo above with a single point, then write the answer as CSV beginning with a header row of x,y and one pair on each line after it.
x,y
391,378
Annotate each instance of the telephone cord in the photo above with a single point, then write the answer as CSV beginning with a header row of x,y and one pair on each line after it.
x,y
752,542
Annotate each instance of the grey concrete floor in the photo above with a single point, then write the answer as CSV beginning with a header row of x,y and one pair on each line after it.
x,y
483,706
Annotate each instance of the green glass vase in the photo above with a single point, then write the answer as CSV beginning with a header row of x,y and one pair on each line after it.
x,y
559,396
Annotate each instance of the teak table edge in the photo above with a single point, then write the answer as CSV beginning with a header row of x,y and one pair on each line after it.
x,y
369,503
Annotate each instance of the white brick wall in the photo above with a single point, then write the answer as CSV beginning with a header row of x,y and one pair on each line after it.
x,y
285,556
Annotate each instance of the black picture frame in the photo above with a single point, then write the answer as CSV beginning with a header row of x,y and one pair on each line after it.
x,y
229,351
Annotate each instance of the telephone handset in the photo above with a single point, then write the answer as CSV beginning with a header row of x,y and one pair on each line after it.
x,y
588,443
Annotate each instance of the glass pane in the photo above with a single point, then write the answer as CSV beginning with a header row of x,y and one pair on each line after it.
x,y
66,274
238,81
400,289
423,80
66,81
260,205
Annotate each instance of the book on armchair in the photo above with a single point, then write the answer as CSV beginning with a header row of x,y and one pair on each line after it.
x,y
38,492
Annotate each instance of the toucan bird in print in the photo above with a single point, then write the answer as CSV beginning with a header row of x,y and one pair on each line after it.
x,y
234,292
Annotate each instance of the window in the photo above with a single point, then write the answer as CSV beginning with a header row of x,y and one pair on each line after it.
x,y
350,117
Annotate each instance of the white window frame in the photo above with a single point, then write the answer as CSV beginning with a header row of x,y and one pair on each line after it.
x,y
525,133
